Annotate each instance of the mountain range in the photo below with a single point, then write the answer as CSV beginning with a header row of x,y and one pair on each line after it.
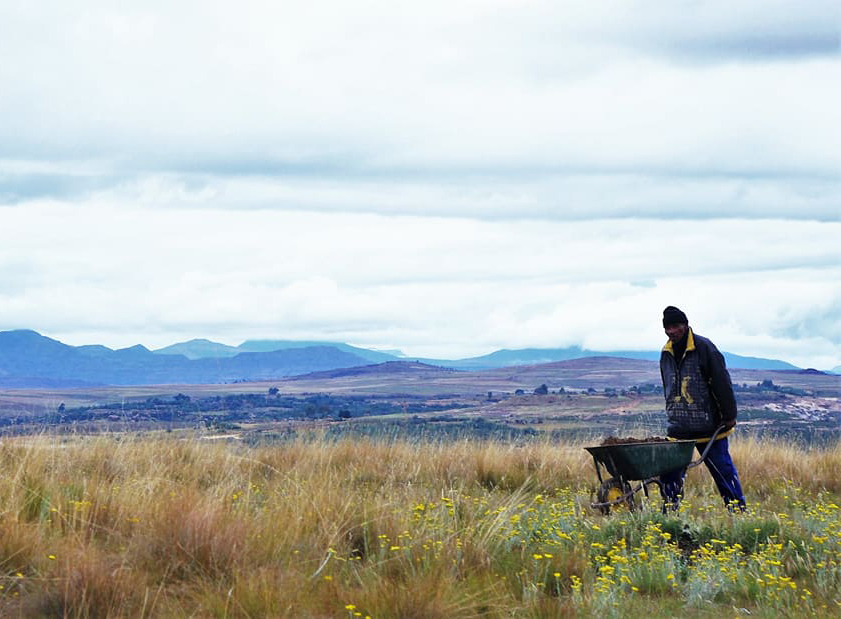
x,y
29,359
201,348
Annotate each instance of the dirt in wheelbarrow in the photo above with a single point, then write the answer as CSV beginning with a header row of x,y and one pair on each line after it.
x,y
615,440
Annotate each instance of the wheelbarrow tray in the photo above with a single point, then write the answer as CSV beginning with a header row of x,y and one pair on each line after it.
x,y
637,461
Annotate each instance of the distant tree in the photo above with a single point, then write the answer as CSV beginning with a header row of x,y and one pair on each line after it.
x,y
542,390
768,384
273,390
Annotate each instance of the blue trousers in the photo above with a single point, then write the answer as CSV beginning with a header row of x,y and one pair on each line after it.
x,y
721,468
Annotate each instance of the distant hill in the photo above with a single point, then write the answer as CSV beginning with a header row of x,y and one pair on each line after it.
x,y
272,345
199,349
28,359
533,356
756,363
378,369
206,349
506,358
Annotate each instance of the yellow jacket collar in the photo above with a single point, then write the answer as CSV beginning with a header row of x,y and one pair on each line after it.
x,y
690,344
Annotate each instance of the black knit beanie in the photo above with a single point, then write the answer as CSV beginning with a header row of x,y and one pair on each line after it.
x,y
673,316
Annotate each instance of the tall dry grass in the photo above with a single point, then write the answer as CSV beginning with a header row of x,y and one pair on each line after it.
x,y
146,527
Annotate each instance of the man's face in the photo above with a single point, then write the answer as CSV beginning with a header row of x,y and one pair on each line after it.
x,y
676,331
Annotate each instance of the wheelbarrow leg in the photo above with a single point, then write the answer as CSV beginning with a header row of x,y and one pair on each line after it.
x,y
598,470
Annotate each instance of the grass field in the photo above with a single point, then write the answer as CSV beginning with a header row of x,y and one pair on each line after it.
x,y
165,527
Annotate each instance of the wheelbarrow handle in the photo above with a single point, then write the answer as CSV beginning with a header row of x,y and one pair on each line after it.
x,y
704,453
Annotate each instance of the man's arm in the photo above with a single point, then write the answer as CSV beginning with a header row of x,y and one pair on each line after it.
x,y
721,387
663,377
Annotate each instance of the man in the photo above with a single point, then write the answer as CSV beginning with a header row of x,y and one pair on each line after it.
x,y
699,400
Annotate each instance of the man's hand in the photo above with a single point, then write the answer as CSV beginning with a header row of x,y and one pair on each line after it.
x,y
729,424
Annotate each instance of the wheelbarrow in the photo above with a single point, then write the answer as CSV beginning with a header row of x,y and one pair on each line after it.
x,y
642,462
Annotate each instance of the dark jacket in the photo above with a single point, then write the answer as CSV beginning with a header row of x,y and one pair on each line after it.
x,y
697,387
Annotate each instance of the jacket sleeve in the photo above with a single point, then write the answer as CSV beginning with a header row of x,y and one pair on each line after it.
x,y
721,387
663,374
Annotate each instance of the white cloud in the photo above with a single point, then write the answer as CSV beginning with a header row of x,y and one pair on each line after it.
x,y
446,178
429,285
374,88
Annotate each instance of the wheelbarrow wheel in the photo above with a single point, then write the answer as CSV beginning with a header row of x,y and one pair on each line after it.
x,y
612,490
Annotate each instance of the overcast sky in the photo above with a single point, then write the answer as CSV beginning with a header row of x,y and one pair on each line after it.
x,y
446,178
